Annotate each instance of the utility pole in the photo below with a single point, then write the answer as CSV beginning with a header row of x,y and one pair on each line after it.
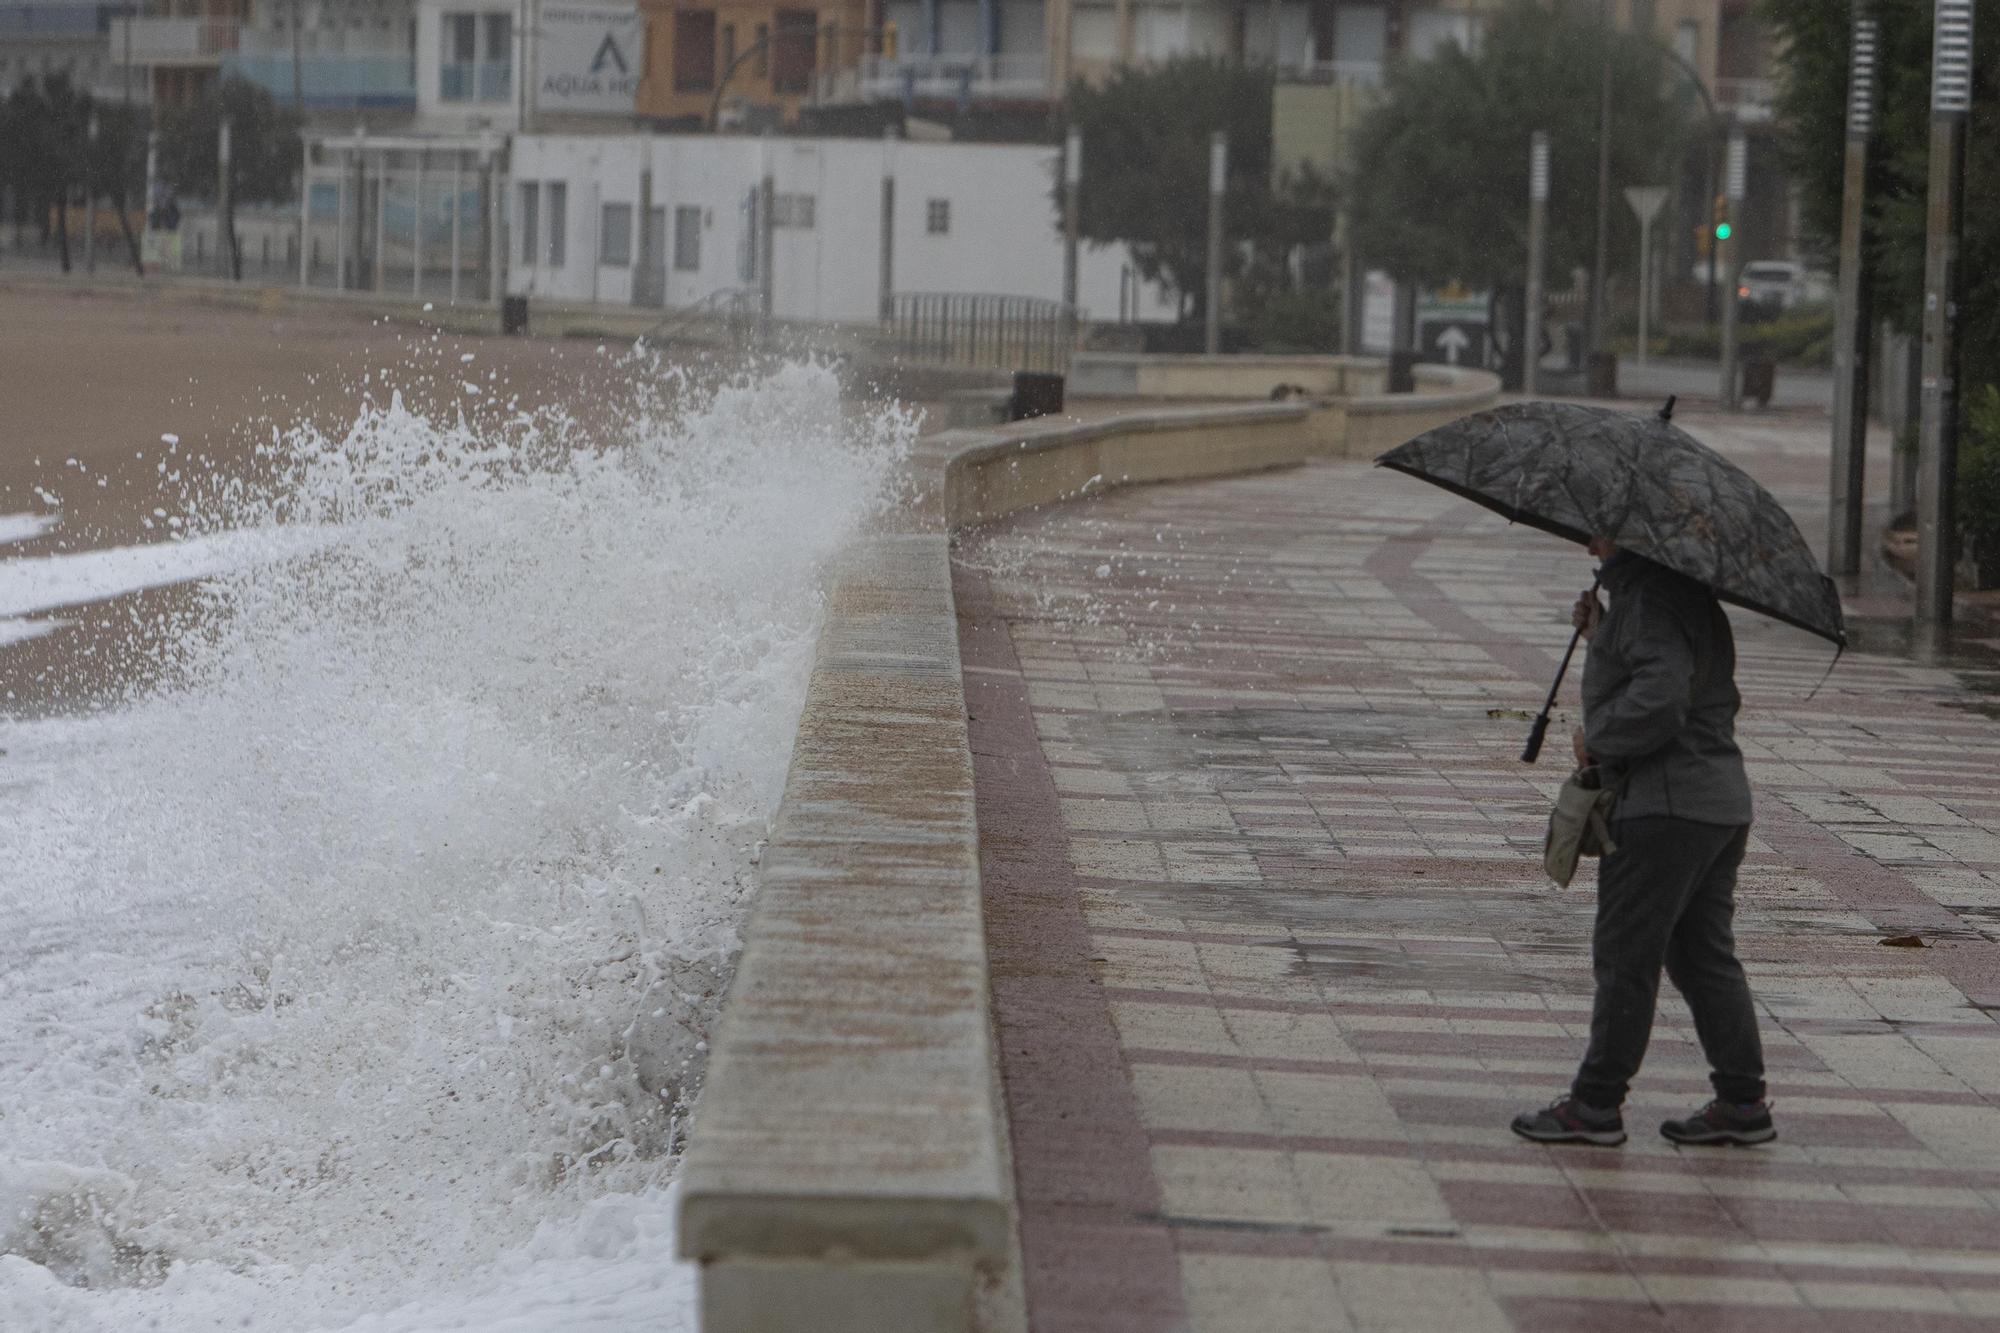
x,y
1850,336
1937,445
1538,213
767,287
1218,175
1735,169
1594,317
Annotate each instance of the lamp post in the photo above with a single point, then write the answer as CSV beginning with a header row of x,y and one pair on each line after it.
x,y
1937,445
1538,209
1850,336
90,198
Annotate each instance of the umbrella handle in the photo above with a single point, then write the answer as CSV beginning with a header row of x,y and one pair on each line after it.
x,y
1535,736
1540,730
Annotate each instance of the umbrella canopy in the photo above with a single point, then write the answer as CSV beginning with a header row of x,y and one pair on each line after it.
x,y
1649,486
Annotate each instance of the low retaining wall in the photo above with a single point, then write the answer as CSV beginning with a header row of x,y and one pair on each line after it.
x,y
1153,375
847,1170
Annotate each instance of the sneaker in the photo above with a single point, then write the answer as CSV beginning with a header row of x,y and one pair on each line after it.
x,y
1724,1122
1567,1120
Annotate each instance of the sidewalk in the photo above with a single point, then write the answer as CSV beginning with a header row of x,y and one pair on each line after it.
x,y
1274,961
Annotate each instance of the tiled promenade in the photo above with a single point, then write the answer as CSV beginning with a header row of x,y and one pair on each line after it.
x,y
1274,960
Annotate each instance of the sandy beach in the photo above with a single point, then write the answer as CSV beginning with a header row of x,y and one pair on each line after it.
x,y
117,405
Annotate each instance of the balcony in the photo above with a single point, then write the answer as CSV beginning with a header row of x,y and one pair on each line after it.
x,y
53,23
965,78
461,82
192,42
331,82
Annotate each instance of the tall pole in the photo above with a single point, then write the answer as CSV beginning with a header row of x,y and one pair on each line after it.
x,y
305,209
1735,168
152,183
1218,173
1937,445
1538,210
1847,483
886,292
225,249
1645,201
767,286
1072,213
1594,317
90,199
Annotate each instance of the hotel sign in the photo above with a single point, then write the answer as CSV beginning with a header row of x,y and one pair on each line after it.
x,y
588,58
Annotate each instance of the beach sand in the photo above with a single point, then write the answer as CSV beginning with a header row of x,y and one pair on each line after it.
x,y
91,380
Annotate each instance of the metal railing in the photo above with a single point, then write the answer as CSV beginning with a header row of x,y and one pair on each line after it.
x,y
331,81
735,309
978,329
960,77
1365,73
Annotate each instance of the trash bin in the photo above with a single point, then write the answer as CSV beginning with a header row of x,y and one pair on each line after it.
x,y
513,315
1036,394
1402,371
1602,379
1760,376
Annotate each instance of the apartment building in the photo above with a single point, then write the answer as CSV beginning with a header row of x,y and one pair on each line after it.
x,y
751,63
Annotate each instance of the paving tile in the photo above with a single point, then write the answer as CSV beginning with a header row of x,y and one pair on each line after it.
x,y
1303,863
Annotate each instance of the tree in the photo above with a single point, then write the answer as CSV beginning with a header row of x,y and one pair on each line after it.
x,y
1439,176
264,151
1812,111
1145,178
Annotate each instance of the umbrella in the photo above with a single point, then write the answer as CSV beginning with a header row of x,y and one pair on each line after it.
x,y
1649,486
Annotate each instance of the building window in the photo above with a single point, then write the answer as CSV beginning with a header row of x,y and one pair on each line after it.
x,y
797,46
687,238
694,50
614,245
937,217
496,72
792,210
530,221
558,223
471,69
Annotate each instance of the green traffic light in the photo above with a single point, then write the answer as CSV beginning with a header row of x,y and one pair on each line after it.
x,y
1722,231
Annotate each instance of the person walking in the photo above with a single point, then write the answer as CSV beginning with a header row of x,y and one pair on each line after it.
x,y
1659,707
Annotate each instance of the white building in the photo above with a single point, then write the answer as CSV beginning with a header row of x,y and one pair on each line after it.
x,y
969,218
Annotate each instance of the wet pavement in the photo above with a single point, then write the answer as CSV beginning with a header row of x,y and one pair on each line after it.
x,y
1274,960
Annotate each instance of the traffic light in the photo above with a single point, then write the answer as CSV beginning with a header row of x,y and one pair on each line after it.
x,y
1721,218
1722,231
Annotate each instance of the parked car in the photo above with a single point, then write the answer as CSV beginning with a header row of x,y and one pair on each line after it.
x,y
1766,288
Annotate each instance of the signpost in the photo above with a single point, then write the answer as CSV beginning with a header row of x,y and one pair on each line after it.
x,y
1850,336
1645,201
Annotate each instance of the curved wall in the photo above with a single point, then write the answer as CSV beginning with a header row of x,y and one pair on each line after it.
x,y
847,1169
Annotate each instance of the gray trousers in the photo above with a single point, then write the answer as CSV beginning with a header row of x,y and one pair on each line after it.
x,y
1667,898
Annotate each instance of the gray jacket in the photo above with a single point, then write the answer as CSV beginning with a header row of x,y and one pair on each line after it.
x,y
1659,698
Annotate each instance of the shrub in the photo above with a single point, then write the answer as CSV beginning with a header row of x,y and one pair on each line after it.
x,y
1979,482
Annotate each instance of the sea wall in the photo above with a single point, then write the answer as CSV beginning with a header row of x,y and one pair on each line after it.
x,y
847,1168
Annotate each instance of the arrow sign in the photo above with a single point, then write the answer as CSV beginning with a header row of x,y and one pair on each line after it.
x,y
1453,342
1646,200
